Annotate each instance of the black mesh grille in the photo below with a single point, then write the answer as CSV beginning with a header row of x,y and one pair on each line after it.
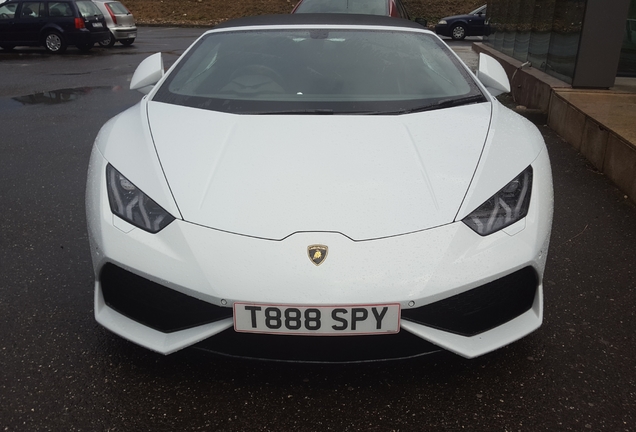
x,y
482,308
155,305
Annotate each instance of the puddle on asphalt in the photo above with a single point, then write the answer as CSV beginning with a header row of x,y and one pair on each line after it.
x,y
53,97
8,104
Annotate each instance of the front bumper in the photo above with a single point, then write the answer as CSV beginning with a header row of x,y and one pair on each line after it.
x,y
415,270
443,30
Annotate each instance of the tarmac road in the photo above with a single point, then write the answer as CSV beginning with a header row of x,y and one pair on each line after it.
x,y
59,370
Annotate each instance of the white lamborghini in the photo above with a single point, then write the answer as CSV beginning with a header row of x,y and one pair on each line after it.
x,y
297,187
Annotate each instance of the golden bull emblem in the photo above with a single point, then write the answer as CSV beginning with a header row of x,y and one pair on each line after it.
x,y
317,253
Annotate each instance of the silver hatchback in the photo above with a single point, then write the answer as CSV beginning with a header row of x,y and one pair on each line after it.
x,y
119,21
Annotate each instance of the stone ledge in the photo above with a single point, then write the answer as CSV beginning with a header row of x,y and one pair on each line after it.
x,y
620,164
607,150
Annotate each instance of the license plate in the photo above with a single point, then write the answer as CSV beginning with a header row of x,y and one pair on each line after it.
x,y
97,25
317,320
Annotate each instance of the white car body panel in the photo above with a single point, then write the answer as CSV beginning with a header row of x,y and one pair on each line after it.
x,y
394,230
238,177
164,343
513,144
209,265
126,142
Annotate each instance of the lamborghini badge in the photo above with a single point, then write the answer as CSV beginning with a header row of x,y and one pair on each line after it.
x,y
317,253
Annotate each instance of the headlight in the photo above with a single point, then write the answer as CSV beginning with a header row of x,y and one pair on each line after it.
x,y
504,208
132,205
442,22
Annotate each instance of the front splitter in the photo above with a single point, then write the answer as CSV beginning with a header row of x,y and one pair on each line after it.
x,y
318,349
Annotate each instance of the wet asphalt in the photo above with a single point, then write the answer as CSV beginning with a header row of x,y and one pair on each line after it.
x,y
60,371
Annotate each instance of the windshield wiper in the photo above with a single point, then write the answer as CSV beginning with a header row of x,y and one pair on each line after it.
x,y
447,103
444,103
291,112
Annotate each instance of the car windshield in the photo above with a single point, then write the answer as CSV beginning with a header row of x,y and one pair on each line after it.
x,y
87,9
481,9
368,7
319,71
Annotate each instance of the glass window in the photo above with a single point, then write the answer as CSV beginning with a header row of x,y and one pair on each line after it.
x,y
61,9
481,9
32,10
523,26
627,64
564,43
541,33
8,11
367,7
118,8
340,71
88,9
546,32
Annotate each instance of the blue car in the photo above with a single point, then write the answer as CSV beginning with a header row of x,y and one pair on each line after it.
x,y
460,26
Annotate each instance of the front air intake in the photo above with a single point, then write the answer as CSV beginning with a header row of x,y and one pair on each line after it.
x,y
480,309
153,304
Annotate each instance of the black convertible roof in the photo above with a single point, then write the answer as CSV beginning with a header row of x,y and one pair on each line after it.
x,y
324,19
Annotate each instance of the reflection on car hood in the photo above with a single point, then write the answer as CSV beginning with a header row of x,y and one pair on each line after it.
x,y
464,16
363,176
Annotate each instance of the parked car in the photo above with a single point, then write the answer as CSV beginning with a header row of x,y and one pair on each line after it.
x,y
339,178
393,8
120,23
52,24
460,26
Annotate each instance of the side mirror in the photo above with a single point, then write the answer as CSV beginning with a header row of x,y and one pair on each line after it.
x,y
147,74
492,75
